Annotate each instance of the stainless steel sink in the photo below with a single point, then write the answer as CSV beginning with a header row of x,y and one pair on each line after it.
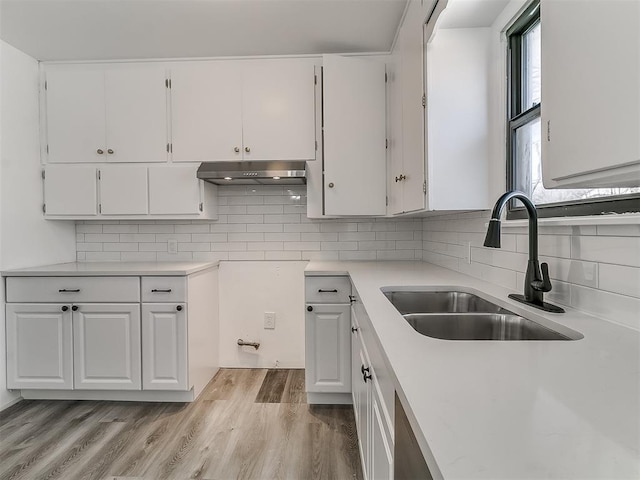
x,y
455,315
441,302
480,326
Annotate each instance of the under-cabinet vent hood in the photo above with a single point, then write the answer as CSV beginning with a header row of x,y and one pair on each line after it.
x,y
250,173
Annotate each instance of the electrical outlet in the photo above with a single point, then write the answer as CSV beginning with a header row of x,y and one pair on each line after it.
x,y
269,320
172,246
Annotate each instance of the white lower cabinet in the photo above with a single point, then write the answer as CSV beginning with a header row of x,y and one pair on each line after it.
x,y
146,338
373,422
39,346
328,348
164,347
106,346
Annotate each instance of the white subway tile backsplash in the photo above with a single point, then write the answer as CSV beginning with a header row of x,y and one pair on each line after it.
x,y
154,228
621,309
120,247
137,237
120,228
617,250
101,237
246,237
192,228
619,279
138,257
596,274
594,269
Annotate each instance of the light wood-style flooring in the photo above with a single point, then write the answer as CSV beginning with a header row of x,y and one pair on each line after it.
x,y
247,424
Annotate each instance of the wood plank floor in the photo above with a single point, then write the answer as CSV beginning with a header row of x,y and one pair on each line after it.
x,y
247,424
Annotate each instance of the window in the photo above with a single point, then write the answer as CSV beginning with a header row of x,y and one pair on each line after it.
x,y
524,166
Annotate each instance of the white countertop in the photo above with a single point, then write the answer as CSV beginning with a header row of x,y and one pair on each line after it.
x,y
73,269
508,409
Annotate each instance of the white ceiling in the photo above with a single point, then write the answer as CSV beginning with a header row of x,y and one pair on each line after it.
x,y
137,29
471,13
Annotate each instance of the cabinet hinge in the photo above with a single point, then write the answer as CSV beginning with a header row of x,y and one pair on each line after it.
x,y
316,145
315,79
99,208
387,200
386,77
167,82
386,143
45,85
99,175
424,186
44,208
548,130
200,207
43,174
47,149
424,101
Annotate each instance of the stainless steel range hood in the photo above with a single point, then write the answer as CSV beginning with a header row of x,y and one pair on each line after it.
x,y
251,173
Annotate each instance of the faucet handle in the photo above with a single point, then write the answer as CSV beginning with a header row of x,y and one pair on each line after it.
x,y
543,285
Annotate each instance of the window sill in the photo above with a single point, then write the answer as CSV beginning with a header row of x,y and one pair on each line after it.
x,y
613,219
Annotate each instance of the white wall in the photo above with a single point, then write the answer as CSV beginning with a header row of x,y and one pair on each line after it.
x,y
26,239
247,290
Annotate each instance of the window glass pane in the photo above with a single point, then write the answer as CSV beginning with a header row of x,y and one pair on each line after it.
x,y
532,67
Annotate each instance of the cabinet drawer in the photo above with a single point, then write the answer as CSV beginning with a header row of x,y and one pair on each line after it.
x,y
327,289
73,289
164,289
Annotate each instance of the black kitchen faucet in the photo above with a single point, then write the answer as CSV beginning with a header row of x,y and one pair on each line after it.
x,y
535,283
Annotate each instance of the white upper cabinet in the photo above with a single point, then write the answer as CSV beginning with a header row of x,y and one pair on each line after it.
x,y
70,190
407,132
185,190
136,112
114,113
206,118
243,110
278,110
354,124
590,93
75,115
123,190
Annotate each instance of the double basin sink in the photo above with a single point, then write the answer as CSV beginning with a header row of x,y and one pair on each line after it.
x,y
455,315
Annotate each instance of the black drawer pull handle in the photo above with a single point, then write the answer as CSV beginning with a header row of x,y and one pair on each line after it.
x,y
354,329
160,290
64,308
69,290
320,290
74,308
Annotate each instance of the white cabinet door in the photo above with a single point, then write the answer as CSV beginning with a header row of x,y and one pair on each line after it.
x,y
278,106
354,136
362,403
106,340
123,190
381,464
39,346
174,190
70,190
590,93
136,111
206,111
75,115
328,349
164,347
413,131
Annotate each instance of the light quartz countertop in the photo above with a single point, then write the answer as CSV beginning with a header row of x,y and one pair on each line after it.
x,y
82,269
508,409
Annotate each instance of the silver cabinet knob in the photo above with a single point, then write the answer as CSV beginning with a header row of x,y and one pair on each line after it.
x,y
236,149
110,151
247,149
99,151
331,185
